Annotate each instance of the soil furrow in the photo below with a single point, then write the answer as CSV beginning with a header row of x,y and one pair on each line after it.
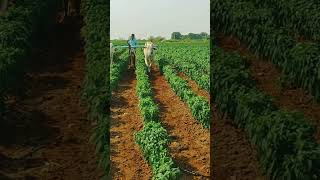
x,y
46,134
190,145
195,88
267,76
126,158
231,152
233,156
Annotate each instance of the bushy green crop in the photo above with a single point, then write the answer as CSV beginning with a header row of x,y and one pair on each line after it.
x,y
287,149
19,28
153,139
191,59
117,69
96,91
199,106
269,32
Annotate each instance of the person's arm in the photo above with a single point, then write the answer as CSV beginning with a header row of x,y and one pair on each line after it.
x,y
129,44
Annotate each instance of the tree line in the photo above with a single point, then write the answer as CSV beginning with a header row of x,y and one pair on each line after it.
x,y
179,36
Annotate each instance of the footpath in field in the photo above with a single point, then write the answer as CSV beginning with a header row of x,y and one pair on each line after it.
x,y
47,133
190,146
231,152
195,88
126,158
233,156
267,76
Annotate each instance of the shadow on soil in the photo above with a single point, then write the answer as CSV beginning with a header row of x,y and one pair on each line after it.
x,y
26,128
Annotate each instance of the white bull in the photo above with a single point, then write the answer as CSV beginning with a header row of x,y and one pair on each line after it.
x,y
148,50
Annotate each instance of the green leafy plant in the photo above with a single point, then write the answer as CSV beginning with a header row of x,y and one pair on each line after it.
x,y
199,106
267,31
191,59
153,139
19,28
285,140
118,69
97,90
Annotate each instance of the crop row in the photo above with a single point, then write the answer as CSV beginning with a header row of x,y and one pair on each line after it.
x,y
196,54
256,27
199,106
189,61
19,28
300,16
153,139
96,91
117,69
287,149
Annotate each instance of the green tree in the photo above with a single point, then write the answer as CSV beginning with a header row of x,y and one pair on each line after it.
x,y
204,35
176,35
194,36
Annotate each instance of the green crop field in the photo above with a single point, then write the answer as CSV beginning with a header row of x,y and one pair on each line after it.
x,y
266,67
172,59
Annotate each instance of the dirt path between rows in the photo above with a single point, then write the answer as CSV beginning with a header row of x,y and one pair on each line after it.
x,y
233,156
126,158
231,152
46,133
190,145
195,88
266,75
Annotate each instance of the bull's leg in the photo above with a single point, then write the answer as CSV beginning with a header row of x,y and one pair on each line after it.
x,y
146,61
149,65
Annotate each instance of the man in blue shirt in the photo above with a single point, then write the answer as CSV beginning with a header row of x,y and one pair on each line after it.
x,y
132,42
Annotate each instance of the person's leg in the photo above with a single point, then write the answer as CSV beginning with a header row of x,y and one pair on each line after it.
x,y
134,61
131,58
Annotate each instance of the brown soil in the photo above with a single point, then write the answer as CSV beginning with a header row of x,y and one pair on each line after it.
x,y
267,75
231,152
190,145
195,88
126,158
46,133
233,156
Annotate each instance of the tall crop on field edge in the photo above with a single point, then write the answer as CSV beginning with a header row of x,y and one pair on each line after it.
x,y
287,149
96,90
258,30
117,69
18,29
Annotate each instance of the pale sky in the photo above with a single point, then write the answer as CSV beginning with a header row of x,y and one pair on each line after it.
x,y
158,17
